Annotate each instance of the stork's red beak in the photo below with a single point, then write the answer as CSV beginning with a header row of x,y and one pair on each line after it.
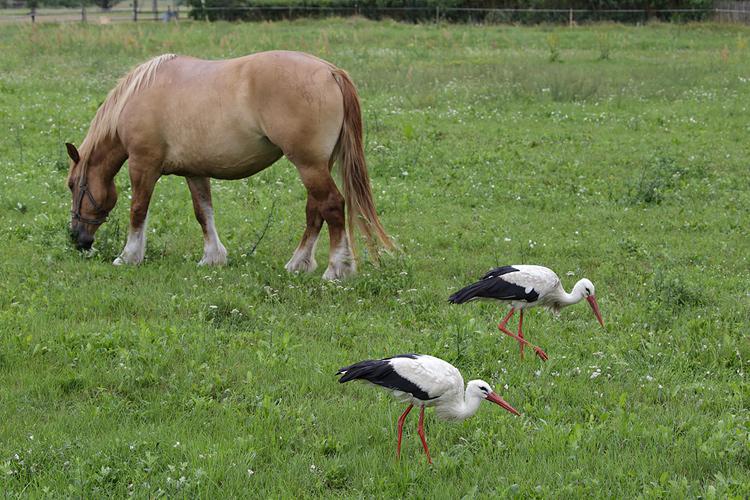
x,y
595,307
500,401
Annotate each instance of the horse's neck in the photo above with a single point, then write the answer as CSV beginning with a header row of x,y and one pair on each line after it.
x,y
106,158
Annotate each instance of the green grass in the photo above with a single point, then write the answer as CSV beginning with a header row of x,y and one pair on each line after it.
x,y
629,169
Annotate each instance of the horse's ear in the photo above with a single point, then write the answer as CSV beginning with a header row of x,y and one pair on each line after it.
x,y
73,152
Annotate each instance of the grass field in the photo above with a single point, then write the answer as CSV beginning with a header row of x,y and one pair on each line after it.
x,y
615,153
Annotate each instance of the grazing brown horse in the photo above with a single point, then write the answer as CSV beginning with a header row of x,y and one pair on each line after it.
x,y
229,120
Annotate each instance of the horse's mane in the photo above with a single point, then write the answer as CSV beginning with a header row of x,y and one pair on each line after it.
x,y
104,124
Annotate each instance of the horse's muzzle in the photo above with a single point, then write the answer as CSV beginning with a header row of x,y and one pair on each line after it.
x,y
82,239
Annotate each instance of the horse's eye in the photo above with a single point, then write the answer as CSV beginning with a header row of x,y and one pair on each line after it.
x,y
70,184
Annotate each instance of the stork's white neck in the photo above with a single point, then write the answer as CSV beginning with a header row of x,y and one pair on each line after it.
x,y
465,405
576,295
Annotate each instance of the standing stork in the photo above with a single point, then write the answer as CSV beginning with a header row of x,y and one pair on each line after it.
x,y
523,287
424,381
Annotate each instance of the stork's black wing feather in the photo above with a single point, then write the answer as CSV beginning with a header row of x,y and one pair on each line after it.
x,y
493,286
380,372
499,271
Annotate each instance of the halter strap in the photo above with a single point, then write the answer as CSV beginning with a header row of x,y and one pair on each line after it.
x,y
83,190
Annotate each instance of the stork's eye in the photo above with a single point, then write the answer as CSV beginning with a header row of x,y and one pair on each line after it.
x,y
484,389
588,292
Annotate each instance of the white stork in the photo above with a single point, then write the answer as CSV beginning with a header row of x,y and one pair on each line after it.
x,y
523,287
424,381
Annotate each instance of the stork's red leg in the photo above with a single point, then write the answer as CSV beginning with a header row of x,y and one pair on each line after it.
x,y
401,421
539,352
420,431
505,320
520,332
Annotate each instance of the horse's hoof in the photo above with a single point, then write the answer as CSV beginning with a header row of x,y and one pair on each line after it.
x,y
216,257
212,262
301,265
339,273
123,260
209,262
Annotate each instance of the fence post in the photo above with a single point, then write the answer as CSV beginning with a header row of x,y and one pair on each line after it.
x,y
33,14
155,8
135,10
570,18
83,11
437,14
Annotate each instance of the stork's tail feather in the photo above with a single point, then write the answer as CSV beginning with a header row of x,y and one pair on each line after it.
x,y
361,370
466,294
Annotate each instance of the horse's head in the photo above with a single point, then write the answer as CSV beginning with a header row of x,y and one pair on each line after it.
x,y
93,197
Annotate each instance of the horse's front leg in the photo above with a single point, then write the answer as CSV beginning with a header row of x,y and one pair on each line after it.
x,y
142,181
213,251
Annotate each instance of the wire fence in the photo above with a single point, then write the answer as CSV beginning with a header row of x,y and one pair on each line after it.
x,y
732,12
449,14
88,14
722,11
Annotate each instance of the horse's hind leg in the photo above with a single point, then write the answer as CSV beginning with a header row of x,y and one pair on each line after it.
x,y
303,258
323,195
213,251
142,181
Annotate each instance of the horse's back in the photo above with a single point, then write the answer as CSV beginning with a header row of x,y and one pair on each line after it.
x,y
232,118
298,101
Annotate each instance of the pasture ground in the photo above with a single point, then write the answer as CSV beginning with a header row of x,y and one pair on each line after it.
x,y
615,153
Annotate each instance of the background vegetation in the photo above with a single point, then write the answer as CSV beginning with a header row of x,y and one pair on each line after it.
x,y
423,10
456,10
615,153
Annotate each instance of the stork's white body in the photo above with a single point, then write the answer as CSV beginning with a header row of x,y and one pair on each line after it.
x,y
424,381
525,286
439,379
537,279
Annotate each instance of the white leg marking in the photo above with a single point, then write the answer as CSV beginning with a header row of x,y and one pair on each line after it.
x,y
341,262
214,252
135,247
303,258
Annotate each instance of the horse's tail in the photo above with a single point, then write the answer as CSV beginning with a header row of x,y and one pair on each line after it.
x,y
351,157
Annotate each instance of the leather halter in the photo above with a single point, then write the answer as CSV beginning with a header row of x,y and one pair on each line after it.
x,y
83,190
